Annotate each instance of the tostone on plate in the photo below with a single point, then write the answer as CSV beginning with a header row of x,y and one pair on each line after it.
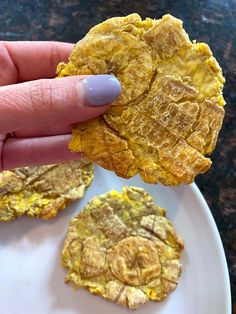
x,y
32,279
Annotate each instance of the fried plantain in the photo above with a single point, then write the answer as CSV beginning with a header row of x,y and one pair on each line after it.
x,y
123,248
170,110
42,191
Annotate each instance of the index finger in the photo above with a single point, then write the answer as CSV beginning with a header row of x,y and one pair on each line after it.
x,y
25,60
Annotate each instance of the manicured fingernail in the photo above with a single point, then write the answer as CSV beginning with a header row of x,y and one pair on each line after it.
x,y
99,90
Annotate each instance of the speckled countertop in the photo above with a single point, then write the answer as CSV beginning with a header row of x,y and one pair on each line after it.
x,y
211,21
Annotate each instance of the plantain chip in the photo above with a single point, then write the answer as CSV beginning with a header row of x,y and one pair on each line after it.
x,y
123,248
170,110
42,191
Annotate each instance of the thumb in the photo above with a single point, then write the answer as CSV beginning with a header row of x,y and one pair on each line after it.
x,y
61,101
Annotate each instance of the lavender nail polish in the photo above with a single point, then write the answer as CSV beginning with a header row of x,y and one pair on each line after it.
x,y
100,90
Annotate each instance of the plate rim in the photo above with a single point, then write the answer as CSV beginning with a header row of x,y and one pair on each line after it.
x,y
222,257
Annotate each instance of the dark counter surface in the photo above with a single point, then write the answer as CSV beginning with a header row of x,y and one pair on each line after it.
x,y
210,21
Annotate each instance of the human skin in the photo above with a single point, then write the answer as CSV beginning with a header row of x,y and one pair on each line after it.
x,y
36,110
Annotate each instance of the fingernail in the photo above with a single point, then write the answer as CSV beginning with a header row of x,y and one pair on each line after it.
x,y
99,90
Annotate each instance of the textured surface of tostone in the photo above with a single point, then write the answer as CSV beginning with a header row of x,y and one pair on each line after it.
x,y
41,192
170,109
122,247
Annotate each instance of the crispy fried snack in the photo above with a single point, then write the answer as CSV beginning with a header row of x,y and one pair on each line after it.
x,y
169,113
42,191
123,248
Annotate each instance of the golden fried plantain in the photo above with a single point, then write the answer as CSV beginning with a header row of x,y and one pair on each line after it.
x,y
42,191
123,248
170,110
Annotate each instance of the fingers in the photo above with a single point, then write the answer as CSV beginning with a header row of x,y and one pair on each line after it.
x,y
53,130
36,151
55,102
25,60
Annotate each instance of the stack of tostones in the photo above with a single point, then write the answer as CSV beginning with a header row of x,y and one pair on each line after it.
x,y
42,191
169,113
123,248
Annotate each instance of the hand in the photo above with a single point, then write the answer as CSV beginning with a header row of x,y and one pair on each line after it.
x,y
36,111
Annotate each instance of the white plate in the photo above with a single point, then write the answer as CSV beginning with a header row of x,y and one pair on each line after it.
x,y
32,279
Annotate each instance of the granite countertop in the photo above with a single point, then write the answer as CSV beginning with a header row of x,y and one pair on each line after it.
x,y
210,21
